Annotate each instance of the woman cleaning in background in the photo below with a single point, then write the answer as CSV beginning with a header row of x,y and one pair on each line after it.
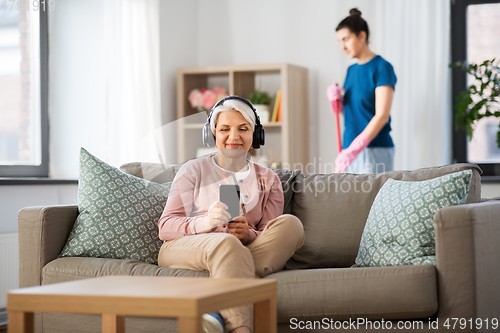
x,y
369,88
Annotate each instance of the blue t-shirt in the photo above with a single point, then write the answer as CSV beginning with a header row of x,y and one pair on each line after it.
x,y
359,99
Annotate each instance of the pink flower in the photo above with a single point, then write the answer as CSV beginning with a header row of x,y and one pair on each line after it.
x,y
196,99
209,99
220,93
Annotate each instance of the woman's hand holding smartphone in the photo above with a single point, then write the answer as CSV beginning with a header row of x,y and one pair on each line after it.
x,y
218,214
227,208
239,228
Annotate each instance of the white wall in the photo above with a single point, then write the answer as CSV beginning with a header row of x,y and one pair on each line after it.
x,y
489,190
15,197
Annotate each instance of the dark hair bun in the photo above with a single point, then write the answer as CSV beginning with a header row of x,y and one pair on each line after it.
x,y
354,11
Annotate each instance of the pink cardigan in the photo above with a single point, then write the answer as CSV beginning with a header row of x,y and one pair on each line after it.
x,y
196,187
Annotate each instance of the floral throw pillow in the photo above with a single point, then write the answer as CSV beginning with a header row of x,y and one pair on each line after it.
x,y
118,214
400,225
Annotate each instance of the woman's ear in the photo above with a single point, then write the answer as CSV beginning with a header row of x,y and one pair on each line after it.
x,y
362,36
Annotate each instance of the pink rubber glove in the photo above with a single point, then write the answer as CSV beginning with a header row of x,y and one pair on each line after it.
x,y
346,156
334,93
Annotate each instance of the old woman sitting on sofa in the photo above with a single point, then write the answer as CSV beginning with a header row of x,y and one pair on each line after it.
x,y
198,230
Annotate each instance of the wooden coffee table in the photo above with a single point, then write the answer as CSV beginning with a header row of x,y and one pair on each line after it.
x,y
115,297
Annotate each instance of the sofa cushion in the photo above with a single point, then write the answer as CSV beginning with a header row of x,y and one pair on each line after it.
x,y
334,207
400,225
69,269
398,292
118,214
287,178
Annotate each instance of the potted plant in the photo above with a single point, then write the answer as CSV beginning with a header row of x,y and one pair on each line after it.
x,y
261,101
482,98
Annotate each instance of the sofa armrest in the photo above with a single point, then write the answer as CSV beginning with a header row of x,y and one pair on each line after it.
x,y
43,232
467,260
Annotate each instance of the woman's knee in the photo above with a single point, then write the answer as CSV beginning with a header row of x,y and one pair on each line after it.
x,y
231,245
291,222
294,227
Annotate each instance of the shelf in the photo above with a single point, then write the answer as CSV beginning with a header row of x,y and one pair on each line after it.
x,y
289,138
267,125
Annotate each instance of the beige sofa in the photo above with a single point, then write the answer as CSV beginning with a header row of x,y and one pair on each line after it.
x,y
317,283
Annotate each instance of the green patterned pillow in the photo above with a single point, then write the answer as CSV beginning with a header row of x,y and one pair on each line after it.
x,y
118,214
400,225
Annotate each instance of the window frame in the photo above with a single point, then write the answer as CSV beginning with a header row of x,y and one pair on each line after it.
x,y
41,170
491,171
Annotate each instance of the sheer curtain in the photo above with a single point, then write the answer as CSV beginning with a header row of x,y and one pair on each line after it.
x,y
104,90
133,80
414,36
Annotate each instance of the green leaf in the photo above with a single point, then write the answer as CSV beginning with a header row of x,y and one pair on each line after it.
x,y
498,136
485,90
259,97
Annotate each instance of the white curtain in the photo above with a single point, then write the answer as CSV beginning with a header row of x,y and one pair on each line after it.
x,y
414,37
104,83
132,81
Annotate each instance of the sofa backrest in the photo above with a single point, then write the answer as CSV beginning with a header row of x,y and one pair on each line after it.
x,y
156,172
334,208
159,173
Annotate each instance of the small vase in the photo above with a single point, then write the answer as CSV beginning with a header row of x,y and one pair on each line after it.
x,y
263,112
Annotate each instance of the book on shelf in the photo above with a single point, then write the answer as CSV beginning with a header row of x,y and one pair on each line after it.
x,y
278,117
277,107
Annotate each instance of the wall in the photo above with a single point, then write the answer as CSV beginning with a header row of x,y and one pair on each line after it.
x,y
490,190
15,197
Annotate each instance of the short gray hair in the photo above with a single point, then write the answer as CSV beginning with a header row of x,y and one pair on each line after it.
x,y
233,105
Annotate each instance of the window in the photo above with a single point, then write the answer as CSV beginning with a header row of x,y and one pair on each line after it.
x,y
474,38
23,89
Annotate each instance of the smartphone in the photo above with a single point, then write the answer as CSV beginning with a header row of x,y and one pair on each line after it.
x,y
230,195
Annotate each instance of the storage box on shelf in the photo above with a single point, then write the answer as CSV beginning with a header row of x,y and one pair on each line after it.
x,y
287,140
